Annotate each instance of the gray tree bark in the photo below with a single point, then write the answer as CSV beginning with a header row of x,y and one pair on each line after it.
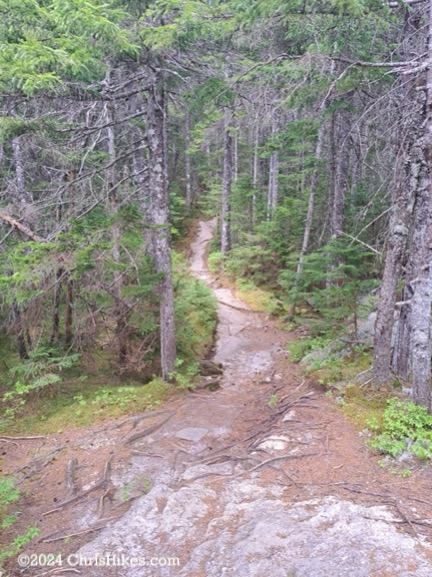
x,y
311,201
226,185
158,215
394,252
188,170
422,297
273,184
406,188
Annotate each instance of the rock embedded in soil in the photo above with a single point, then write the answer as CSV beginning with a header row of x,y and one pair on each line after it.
x,y
192,434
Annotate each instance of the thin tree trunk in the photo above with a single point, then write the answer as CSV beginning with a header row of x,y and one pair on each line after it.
x,y
188,171
55,328
69,313
337,208
22,198
159,209
235,167
255,169
226,187
311,202
273,184
120,310
20,333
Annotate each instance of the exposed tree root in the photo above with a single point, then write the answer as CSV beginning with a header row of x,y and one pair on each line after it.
x,y
101,483
147,431
91,530
3,438
70,477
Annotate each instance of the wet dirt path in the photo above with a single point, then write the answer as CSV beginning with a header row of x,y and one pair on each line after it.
x,y
262,477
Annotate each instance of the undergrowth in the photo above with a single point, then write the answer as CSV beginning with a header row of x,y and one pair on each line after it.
x,y
9,547
403,426
253,293
53,390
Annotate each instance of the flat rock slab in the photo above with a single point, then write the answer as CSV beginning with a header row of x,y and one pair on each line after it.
x,y
247,530
192,434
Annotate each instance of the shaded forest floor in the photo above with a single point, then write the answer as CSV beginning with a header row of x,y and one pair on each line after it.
x,y
264,476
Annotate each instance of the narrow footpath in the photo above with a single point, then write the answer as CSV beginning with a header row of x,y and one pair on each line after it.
x,y
262,477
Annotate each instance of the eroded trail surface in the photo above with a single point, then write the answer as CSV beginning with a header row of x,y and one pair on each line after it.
x,y
263,477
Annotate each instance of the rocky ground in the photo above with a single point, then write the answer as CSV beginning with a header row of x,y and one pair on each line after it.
x,y
262,477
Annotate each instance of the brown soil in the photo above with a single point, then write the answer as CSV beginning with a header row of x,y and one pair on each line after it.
x,y
262,395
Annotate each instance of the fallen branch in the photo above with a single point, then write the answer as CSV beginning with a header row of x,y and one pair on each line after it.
x,y
21,227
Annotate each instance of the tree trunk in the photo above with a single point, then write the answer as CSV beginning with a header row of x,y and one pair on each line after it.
x,y
188,171
273,184
311,202
69,314
55,328
395,250
20,335
226,187
407,186
120,309
341,163
255,169
159,211
422,297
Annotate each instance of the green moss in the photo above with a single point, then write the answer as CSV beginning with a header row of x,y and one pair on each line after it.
x,y
81,403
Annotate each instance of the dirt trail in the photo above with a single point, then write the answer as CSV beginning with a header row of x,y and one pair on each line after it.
x,y
262,477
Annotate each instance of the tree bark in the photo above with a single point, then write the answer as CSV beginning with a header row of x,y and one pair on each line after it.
x,y
188,170
226,186
394,253
158,214
422,297
311,201
273,184
69,314
120,309
255,170
407,191
55,327
341,163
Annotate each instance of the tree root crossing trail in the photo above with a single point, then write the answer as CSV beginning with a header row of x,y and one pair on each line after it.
x,y
263,477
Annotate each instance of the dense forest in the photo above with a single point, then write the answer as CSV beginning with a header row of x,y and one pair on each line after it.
x,y
305,125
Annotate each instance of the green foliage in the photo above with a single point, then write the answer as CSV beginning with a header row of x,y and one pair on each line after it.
x,y
59,40
18,543
404,427
34,376
137,487
8,495
332,280
251,261
300,348
195,309
273,400
215,260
